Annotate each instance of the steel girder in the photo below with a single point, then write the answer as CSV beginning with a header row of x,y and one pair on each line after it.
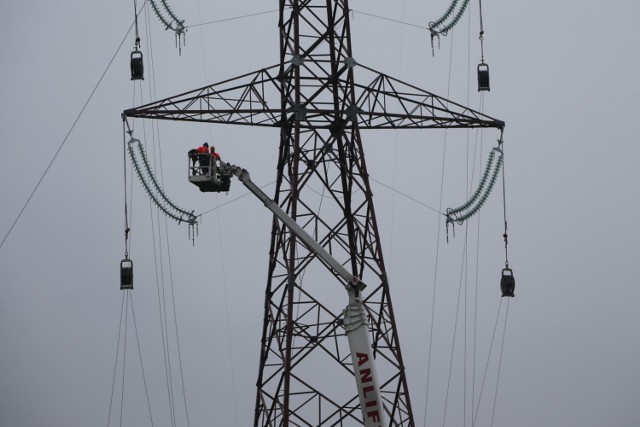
x,y
254,99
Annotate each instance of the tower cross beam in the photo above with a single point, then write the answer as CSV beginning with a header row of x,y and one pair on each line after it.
x,y
385,103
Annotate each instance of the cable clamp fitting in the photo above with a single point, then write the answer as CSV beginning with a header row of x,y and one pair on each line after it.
x,y
451,221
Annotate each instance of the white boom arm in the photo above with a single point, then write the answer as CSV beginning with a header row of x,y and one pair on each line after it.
x,y
356,323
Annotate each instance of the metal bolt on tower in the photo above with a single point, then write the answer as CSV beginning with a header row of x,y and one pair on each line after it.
x,y
306,375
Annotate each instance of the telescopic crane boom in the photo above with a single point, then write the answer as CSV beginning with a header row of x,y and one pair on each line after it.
x,y
355,319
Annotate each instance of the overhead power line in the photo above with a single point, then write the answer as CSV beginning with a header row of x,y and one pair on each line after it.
x,y
233,19
390,20
405,195
84,107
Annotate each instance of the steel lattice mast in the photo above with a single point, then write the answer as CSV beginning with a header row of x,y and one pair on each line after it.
x,y
305,374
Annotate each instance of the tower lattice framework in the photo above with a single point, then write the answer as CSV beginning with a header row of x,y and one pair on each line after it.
x,y
305,374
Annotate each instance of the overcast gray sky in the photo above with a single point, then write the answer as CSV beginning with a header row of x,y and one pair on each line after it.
x,y
564,77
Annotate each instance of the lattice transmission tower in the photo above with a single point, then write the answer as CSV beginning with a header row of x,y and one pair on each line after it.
x,y
305,374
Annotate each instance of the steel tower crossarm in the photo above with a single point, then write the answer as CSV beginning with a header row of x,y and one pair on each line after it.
x,y
254,99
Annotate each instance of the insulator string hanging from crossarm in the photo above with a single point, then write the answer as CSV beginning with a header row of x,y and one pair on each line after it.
x,y
449,11
154,180
485,187
170,12
442,25
173,22
480,196
152,187
457,212
160,16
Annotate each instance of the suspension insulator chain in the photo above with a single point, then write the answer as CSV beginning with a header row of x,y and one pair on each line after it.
x,y
439,27
480,196
152,176
153,189
175,24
